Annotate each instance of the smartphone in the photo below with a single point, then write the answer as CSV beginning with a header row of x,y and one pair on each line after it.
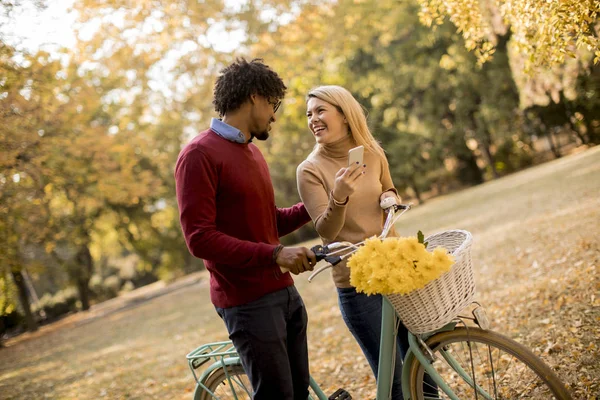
x,y
356,154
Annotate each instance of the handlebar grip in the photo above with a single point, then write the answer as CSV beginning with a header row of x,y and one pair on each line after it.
x,y
320,252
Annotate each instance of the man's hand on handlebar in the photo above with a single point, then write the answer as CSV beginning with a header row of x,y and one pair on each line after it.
x,y
296,260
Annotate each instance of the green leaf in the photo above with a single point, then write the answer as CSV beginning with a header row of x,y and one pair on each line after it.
x,y
420,237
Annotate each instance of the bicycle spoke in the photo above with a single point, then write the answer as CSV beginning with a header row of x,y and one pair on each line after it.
x,y
245,387
481,368
491,359
240,388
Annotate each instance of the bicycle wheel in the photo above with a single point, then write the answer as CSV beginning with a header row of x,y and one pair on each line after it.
x,y
218,383
501,367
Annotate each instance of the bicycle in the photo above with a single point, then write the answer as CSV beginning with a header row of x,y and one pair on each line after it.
x,y
464,359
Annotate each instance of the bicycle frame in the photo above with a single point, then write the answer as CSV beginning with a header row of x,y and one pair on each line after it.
x,y
387,352
225,356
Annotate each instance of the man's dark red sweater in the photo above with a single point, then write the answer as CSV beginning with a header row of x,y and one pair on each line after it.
x,y
229,218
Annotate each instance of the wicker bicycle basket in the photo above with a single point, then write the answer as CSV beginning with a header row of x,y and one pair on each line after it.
x,y
441,300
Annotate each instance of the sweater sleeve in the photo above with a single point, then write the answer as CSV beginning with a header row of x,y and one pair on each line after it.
x,y
291,218
327,215
196,179
386,178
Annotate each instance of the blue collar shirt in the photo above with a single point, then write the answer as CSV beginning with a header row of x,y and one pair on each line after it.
x,y
227,131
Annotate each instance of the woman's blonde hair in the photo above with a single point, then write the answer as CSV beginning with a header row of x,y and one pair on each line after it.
x,y
355,114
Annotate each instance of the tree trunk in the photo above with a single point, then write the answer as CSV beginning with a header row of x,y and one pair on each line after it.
x,y
489,158
500,61
551,142
83,290
484,140
84,259
468,170
24,299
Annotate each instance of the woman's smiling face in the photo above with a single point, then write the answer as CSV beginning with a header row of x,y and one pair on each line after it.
x,y
325,121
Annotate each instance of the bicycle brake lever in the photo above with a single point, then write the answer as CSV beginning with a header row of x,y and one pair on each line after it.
x,y
333,260
321,254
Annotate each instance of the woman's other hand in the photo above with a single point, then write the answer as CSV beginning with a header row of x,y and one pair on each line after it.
x,y
390,193
346,181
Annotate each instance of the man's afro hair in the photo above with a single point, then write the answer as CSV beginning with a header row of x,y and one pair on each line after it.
x,y
242,79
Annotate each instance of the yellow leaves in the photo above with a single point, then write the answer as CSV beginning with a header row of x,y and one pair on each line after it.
x,y
543,31
595,301
396,265
164,218
50,246
447,62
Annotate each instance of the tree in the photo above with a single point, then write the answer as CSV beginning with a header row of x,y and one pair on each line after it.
x,y
25,96
543,31
421,88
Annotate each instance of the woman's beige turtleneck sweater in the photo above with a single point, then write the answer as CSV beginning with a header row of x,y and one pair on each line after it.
x,y
361,217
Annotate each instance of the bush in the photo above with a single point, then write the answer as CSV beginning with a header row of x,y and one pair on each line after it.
x,y
10,321
127,287
513,155
54,306
112,285
143,278
95,283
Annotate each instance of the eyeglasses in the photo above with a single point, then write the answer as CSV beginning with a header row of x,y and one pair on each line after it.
x,y
275,105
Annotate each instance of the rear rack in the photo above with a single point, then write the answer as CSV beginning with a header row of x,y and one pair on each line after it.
x,y
217,351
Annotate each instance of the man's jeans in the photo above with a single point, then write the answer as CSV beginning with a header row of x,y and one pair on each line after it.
x,y
362,315
270,337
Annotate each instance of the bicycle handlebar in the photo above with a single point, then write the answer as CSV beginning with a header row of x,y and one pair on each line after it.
x,y
321,254
328,252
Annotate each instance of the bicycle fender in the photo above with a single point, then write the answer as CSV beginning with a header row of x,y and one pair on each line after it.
x,y
219,364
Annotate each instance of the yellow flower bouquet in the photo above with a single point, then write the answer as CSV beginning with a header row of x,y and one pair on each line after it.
x,y
397,265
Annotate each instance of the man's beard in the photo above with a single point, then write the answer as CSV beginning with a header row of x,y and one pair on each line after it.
x,y
262,135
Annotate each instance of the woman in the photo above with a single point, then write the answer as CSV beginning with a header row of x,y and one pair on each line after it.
x,y
343,202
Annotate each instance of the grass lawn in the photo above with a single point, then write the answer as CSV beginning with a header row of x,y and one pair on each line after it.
x,y
536,255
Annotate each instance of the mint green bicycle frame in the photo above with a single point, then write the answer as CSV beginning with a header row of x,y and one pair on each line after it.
x,y
225,355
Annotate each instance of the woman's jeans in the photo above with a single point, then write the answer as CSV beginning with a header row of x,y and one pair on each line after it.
x,y
362,315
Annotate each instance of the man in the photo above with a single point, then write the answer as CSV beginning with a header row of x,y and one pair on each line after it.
x,y
229,219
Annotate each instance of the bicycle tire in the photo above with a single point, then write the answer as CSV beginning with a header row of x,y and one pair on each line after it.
x,y
218,383
548,382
